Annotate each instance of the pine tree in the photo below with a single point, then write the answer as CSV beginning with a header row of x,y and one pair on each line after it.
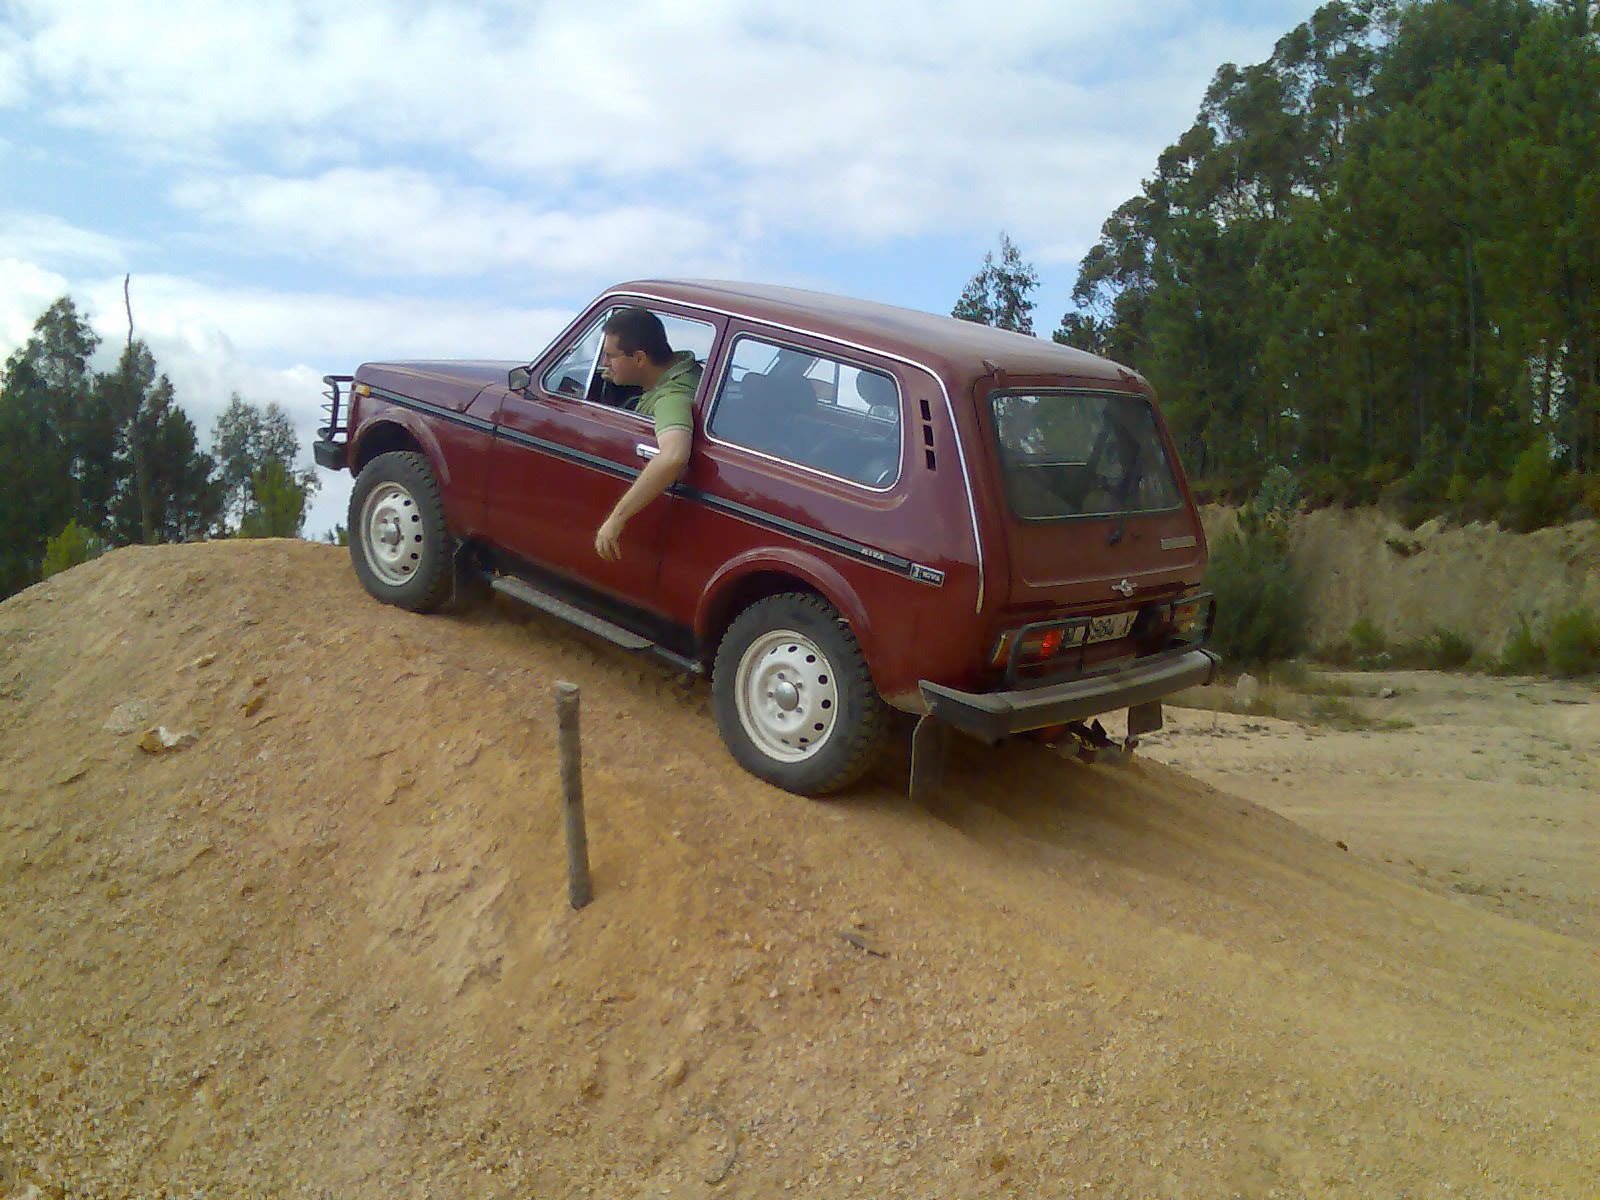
x,y
998,294
256,450
44,397
165,490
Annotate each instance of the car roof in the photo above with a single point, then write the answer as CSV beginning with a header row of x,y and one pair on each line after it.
x,y
941,343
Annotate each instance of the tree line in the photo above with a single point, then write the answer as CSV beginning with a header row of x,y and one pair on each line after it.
x,y
1373,259
94,459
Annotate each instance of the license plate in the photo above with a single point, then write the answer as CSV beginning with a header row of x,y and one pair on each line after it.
x,y
1109,628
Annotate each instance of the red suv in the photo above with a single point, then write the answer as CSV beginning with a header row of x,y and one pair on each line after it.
x,y
881,509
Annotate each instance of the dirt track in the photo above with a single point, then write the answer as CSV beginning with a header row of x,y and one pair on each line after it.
x,y
324,950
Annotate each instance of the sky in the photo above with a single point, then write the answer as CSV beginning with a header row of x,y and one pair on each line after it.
x,y
299,186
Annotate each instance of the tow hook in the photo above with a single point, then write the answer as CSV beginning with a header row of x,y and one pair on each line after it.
x,y
1092,744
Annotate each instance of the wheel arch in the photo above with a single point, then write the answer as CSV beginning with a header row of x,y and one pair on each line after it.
x,y
390,432
745,580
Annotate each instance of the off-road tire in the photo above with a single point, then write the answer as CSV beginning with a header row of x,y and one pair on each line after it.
x,y
400,546
793,697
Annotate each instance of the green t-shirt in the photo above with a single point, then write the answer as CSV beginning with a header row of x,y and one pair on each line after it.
x,y
670,404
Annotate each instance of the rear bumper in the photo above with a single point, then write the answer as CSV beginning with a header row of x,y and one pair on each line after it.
x,y
330,455
990,716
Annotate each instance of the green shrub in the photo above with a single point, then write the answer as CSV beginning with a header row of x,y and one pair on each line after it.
x,y
1278,498
1477,499
1260,593
1322,487
1366,640
1438,650
1523,654
1362,646
72,546
1533,493
1448,650
1572,644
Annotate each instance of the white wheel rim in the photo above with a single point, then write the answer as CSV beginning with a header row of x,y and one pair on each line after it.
x,y
787,696
391,533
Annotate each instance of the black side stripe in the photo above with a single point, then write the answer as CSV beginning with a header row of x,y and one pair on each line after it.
x,y
817,537
557,450
806,533
433,410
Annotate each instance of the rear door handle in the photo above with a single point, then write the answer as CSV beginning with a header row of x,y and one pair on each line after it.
x,y
646,452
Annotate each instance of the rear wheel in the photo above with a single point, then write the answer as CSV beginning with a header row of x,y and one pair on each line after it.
x,y
399,543
793,697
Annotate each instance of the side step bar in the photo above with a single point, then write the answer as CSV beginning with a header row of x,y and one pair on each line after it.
x,y
519,589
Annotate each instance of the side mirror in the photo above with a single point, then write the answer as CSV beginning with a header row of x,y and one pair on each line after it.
x,y
519,379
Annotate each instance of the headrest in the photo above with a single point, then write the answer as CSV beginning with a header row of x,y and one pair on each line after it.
x,y
877,390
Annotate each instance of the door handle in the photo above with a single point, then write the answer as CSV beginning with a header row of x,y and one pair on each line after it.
x,y
645,451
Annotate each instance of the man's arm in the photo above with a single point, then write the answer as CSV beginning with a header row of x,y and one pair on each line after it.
x,y
660,473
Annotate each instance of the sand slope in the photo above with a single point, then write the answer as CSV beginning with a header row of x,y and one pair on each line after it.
x,y
324,950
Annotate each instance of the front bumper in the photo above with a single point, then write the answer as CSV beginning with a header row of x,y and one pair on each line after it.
x,y
330,455
990,716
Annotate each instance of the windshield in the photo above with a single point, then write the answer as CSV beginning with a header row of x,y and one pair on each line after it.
x,y
1082,454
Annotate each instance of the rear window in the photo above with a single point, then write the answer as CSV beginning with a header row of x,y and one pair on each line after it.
x,y
1082,454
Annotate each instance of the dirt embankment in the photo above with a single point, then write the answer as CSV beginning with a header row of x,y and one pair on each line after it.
x,y
1476,580
323,949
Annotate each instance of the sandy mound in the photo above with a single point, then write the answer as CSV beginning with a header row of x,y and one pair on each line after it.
x,y
324,950
1477,580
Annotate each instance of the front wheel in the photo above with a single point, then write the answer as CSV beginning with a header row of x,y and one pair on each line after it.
x,y
793,697
399,542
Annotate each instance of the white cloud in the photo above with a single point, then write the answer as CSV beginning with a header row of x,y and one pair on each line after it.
x,y
26,290
34,236
402,221
186,321
899,116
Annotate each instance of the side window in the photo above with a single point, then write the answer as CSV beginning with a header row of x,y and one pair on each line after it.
x,y
577,372
811,409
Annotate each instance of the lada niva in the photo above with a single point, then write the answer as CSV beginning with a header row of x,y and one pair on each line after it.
x,y
881,509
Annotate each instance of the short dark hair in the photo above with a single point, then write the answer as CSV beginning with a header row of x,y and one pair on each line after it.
x,y
640,329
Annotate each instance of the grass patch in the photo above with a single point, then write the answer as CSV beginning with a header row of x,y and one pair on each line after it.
x,y
1297,676
1365,648
1336,712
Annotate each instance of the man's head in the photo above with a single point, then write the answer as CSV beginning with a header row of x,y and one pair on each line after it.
x,y
635,350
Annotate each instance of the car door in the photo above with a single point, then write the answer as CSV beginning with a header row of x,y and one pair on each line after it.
x,y
566,449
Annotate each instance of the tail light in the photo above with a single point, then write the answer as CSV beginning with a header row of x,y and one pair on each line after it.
x,y
1192,617
1183,621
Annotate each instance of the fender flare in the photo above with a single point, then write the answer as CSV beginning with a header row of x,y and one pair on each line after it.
x,y
714,611
414,427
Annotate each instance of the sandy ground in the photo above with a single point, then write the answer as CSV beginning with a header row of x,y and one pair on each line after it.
x,y
321,947
1483,788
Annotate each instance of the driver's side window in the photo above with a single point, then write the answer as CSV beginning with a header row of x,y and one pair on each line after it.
x,y
577,372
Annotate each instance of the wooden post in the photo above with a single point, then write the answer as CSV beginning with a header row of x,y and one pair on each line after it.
x,y
579,891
